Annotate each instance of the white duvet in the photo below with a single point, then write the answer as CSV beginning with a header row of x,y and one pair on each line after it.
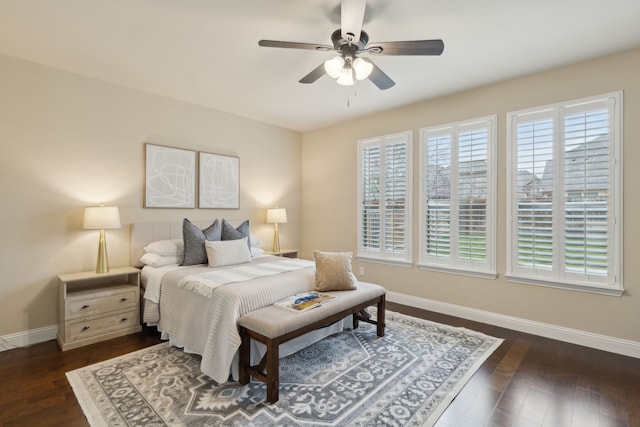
x,y
205,283
207,326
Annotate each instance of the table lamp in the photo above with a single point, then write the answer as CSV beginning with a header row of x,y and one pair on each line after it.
x,y
276,216
101,218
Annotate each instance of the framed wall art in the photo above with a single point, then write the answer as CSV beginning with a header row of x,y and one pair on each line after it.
x,y
219,181
170,177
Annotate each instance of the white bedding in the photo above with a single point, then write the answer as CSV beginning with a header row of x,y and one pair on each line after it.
x,y
151,278
207,326
205,283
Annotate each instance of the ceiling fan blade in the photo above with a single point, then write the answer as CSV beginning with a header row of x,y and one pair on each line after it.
x,y
415,47
351,18
295,45
380,79
314,75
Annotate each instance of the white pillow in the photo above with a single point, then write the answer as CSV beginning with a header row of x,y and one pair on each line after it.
x,y
256,251
155,260
171,247
227,252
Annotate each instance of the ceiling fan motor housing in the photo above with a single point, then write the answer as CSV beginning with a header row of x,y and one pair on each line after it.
x,y
339,43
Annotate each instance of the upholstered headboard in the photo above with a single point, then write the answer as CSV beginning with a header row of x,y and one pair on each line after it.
x,y
143,233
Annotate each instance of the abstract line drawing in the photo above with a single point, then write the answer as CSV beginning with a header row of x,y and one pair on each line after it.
x,y
170,177
219,185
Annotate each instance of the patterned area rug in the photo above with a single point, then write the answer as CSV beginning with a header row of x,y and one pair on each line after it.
x,y
406,378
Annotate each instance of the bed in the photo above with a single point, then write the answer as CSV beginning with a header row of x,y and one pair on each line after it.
x,y
196,307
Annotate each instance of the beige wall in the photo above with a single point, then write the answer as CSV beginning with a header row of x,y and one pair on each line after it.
x,y
329,198
68,142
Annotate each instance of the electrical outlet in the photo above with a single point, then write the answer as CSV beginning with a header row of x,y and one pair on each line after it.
x,y
361,271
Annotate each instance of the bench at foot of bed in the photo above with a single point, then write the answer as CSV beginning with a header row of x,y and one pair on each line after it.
x,y
273,326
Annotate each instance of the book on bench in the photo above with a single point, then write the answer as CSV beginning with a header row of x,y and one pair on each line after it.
x,y
305,301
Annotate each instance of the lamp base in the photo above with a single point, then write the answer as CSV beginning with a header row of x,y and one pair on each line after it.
x,y
276,239
102,266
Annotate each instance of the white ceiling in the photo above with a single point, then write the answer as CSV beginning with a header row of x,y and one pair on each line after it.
x,y
206,51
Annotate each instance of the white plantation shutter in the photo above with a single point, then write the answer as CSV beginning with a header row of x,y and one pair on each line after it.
x,y
472,192
565,187
437,176
587,190
457,206
534,193
370,198
395,189
384,198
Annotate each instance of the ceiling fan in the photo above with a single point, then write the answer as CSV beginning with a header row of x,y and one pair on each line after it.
x,y
350,41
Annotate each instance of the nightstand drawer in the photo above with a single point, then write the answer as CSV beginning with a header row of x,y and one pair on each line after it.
x,y
84,328
87,306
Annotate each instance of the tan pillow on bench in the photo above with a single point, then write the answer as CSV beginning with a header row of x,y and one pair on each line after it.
x,y
333,271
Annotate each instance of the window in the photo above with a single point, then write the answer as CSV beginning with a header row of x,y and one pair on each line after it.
x,y
457,197
384,198
565,195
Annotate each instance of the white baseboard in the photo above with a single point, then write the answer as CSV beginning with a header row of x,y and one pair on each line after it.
x,y
574,336
30,337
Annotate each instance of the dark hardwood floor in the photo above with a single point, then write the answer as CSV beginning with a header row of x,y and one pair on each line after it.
x,y
527,381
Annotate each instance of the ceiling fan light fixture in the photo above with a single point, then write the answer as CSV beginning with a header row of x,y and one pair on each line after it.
x,y
346,76
362,68
334,66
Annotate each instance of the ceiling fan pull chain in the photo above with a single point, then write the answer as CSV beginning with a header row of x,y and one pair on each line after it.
x,y
355,90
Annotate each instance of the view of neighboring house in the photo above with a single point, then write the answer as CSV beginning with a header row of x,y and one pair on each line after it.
x,y
585,168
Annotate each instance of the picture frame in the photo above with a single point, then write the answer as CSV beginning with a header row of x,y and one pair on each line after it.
x,y
170,177
219,181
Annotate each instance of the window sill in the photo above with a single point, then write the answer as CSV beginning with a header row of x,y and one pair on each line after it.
x,y
568,286
450,270
396,263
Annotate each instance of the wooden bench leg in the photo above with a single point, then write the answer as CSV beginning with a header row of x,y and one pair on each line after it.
x,y
273,371
245,357
380,316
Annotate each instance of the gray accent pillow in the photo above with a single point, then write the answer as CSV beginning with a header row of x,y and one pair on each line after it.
x,y
194,238
231,233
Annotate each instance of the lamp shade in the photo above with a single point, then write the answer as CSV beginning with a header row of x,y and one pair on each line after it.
x,y
362,68
101,218
334,66
346,76
276,216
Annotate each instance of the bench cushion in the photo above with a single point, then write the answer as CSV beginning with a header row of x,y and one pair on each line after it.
x,y
273,321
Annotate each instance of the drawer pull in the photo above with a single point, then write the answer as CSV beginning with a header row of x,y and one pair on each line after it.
x,y
85,306
124,319
123,299
85,328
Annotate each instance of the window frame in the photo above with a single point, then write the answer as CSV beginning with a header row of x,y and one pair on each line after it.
x,y
558,276
455,265
382,256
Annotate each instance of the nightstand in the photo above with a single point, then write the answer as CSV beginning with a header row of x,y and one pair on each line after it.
x,y
287,253
94,307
